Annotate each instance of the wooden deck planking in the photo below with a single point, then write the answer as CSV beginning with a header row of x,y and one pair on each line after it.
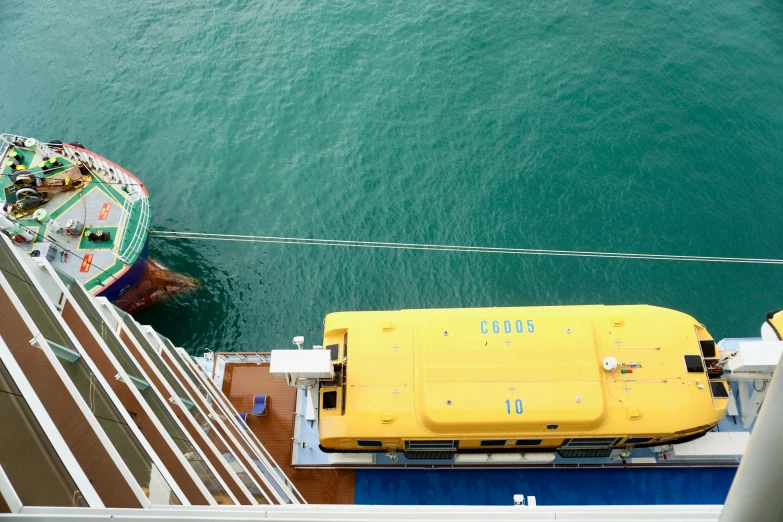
x,y
241,382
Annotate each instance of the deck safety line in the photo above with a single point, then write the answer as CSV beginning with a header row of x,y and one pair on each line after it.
x,y
199,236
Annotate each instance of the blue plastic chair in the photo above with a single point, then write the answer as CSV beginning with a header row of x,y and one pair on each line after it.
x,y
260,405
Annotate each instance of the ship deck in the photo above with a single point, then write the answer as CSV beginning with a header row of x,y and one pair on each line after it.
x,y
110,202
241,382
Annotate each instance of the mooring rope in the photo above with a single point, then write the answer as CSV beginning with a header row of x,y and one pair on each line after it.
x,y
200,236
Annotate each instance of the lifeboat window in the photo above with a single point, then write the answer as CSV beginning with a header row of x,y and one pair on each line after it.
x,y
329,402
528,442
637,440
693,364
718,390
345,345
493,443
333,348
552,426
369,443
707,348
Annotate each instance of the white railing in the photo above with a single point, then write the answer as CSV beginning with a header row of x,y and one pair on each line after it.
x,y
128,254
8,139
115,175
3,152
44,150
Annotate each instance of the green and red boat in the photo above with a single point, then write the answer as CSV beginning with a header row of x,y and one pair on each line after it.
x,y
86,216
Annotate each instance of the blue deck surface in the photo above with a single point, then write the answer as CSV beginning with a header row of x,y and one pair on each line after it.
x,y
550,486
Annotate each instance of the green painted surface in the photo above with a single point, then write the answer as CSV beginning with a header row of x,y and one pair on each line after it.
x,y
66,164
75,198
86,244
592,125
104,276
128,247
5,180
110,189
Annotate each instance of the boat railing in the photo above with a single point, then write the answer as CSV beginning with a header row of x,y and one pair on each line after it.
x,y
8,139
45,151
3,151
139,235
116,175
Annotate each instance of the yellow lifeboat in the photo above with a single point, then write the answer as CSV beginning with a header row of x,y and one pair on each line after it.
x,y
581,380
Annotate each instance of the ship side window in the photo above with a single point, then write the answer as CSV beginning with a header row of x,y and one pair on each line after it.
x,y
329,401
718,390
707,348
333,349
493,443
528,442
369,443
694,364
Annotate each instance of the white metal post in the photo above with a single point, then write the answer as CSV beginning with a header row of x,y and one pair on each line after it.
x,y
755,493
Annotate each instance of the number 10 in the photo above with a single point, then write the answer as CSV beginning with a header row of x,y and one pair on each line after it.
x,y
517,406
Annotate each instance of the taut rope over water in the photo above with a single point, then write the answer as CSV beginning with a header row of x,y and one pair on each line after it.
x,y
199,236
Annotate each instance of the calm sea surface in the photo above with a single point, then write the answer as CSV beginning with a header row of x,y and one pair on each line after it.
x,y
638,126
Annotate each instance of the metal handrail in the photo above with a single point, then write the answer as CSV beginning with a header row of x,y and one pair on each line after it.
x,y
139,233
4,151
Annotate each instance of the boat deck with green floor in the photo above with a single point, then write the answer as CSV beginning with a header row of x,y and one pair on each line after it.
x,y
111,210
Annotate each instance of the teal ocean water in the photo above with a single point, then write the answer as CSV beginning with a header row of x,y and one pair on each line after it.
x,y
641,126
